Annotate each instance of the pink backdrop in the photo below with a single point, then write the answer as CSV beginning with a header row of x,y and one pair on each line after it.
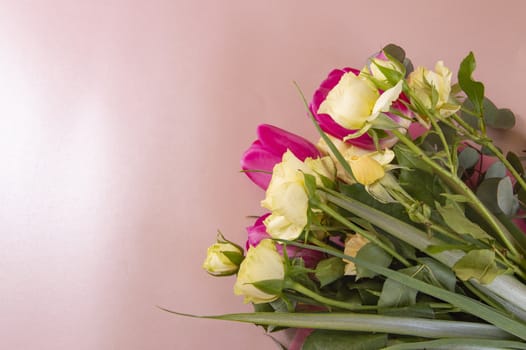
x,y
121,127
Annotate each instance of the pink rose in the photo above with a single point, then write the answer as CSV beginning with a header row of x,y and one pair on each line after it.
x,y
259,160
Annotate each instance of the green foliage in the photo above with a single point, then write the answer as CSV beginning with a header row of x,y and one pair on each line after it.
x,y
497,194
496,170
515,162
473,89
372,253
479,264
455,218
336,340
329,270
468,158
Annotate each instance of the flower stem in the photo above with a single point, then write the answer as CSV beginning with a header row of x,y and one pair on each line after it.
x,y
462,188
289,284
347,223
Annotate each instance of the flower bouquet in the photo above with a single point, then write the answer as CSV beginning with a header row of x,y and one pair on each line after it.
x,y
399,229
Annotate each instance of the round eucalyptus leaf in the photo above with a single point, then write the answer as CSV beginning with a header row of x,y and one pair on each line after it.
x,y
472,120
496,170
487,193
395,51
505,119
506,200
490,112
468,158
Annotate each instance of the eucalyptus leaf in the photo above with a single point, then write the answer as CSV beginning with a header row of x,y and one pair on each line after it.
x,y
504,119
490,112
395,51
469,118
496,170
506,200
479,264
468,158
335,340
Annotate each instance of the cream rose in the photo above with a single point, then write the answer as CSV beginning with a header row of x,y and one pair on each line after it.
x,y
286,196
422,82
262,263
222,259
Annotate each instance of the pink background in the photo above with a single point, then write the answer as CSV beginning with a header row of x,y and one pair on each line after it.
x,y
121,128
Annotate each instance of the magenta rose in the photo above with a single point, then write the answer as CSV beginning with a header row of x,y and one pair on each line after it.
x,y
346,100
258,232
259,160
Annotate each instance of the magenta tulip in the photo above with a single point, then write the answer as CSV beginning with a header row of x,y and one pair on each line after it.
x,y
259,160
258,232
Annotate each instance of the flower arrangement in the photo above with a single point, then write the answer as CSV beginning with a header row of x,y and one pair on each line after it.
x,y
399,229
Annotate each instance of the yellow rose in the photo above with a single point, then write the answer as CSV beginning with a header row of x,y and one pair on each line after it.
x,y
353,244
262,263
422,82
286,196
355,100
367,166
223,259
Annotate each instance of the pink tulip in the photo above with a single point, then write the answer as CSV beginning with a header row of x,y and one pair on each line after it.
x,y
259,160
330,126
258,232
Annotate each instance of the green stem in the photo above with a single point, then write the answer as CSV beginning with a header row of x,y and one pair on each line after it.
x,y
289,284
347,223
462,188
440,133
483,296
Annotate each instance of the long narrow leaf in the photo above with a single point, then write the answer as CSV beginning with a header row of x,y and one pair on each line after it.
x,y
467,343
367,323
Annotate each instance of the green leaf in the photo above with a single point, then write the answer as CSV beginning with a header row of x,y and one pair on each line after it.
x,y
329,270
457,221
269,286
496,170
469,305
422,186
409,159
473,89
234,257
515,162
468,158
459,343
479,264
350,321
383,122
503,119
439,274
472,120
395,51
506,200
372,253
334,340
490,112
395,294
310,185
421,310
